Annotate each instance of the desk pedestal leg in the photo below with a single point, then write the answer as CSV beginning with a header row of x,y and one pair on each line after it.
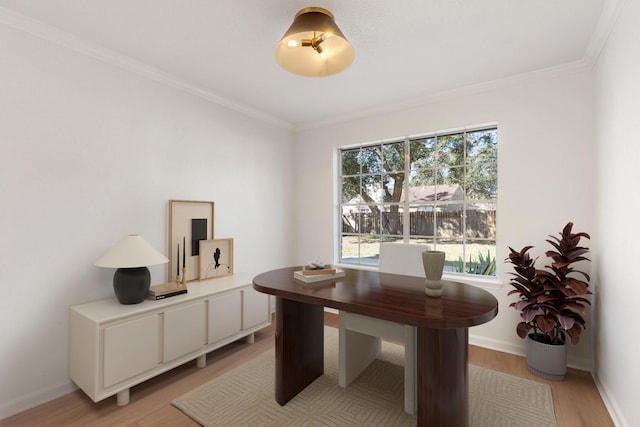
x,y
299,347
443,384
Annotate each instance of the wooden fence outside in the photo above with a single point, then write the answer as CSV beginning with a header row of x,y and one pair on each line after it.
x,y
479,223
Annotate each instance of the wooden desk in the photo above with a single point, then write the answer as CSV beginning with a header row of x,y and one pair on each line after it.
x,y
442,331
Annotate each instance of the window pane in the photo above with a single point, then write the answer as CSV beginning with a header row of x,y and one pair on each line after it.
x,y
369,220
481,258
393,155
482,146
371,159
449,220
422,193
481,220
369,250
422,153
454,255
351,189
350,219
482,181
358,219
372,188
393,185
350,165
392,220
451,150
423,177
422,220
450,175
350,248
450,184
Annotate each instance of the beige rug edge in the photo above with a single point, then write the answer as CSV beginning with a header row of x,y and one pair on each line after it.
x,y
245,396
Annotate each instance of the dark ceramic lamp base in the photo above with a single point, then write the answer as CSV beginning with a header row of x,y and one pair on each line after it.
x,y
131,284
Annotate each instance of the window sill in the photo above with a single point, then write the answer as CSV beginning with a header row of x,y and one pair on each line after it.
x,y
488,283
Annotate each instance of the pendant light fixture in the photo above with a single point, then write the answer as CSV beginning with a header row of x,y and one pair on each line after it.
x,y
314,46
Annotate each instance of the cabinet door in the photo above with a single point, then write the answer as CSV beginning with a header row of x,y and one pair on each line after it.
x,y
130,349
255,308
224,316
184,330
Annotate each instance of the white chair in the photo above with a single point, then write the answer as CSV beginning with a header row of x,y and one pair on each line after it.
x,y
359,336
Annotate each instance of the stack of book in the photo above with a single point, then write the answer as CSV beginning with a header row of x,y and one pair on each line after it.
x,y
310,274
165,291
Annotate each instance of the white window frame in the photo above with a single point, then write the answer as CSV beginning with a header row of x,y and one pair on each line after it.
x,y
406,237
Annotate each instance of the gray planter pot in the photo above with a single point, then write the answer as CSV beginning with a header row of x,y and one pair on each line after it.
x,y
545,360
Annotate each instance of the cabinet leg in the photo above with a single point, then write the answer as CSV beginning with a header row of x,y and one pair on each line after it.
x,y
251,338
201,361
122,398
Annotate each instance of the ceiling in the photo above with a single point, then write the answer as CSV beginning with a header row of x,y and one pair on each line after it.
x,y
405,49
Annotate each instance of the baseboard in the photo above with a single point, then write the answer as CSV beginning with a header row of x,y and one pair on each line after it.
x,y
498,345
580,363
15,406
612,406
520,350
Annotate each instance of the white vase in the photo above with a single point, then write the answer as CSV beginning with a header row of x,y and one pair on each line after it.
x,y
433,262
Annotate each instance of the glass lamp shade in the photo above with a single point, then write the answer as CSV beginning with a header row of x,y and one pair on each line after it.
x,y
314,46
131,256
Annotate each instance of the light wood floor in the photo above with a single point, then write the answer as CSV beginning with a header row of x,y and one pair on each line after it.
x,y
576,400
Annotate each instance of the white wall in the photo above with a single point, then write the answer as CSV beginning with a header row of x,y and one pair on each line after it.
x,y
89,153
617,101
544,172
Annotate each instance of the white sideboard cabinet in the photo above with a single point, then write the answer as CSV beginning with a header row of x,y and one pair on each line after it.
x,y
114,347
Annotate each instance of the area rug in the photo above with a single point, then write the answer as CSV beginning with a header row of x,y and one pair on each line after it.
x,y
245,396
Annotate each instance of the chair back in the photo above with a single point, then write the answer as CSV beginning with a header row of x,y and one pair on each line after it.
x,y
402,258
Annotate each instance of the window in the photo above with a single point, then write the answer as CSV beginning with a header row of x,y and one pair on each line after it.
x,y
438,189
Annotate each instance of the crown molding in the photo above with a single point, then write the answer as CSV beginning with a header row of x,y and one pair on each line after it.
x,y
69,41
543,74
608,17
606,22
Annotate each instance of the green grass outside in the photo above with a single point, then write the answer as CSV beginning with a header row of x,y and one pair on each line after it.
x,y
370,250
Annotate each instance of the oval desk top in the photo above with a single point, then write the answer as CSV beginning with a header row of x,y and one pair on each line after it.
x,y
392,297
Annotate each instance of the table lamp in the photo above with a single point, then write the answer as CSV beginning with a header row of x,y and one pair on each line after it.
x,y
131,256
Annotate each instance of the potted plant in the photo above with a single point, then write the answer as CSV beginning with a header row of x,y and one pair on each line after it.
x,y
551,302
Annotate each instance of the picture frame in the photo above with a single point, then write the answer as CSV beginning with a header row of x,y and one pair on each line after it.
x,y
216,258
189,222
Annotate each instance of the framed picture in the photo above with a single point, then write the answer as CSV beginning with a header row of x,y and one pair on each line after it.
x,y
216,258
189,223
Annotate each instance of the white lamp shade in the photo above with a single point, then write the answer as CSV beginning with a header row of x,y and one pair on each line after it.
x,y
334,55
130,252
